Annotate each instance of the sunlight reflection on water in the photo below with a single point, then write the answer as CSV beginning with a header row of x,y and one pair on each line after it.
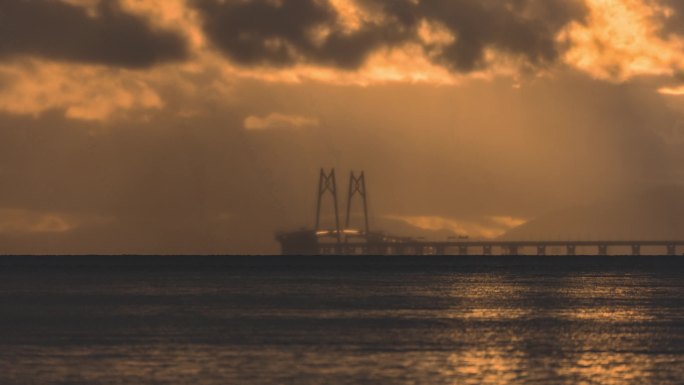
x,y
351,326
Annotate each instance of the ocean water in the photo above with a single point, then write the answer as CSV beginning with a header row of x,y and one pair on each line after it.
x,y
278,320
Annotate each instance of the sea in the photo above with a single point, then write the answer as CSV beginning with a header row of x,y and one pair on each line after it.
x,y
139,320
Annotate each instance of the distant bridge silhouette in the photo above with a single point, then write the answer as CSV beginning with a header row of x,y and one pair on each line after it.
x,y
349,241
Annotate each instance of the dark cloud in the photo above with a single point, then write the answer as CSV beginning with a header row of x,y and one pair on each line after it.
x,y
522,27
525,28
61,31
282,33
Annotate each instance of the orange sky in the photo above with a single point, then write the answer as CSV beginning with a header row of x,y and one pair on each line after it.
x,y
120,118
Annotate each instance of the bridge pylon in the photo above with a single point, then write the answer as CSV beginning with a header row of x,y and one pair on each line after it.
x,y
326,183
357,186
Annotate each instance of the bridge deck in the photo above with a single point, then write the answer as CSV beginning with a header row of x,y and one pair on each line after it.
x,y
664,247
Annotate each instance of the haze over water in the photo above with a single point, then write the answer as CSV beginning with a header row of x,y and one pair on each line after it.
x,y
499,320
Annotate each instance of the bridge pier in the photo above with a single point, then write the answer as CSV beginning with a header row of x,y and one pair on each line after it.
x,y
570,250
636,249
603,249
541,250
512,250
463,250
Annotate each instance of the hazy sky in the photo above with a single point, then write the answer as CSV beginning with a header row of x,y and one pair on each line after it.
x,y
199,126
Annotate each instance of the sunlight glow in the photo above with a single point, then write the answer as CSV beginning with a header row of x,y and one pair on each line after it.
x,y
621,40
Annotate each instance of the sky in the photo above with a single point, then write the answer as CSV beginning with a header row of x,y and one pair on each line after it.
x,y
200,126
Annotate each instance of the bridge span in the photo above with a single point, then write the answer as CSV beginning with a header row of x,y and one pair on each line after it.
x,y
355,242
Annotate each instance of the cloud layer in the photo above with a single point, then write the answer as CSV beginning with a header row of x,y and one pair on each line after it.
x,y
279,121
97,59
62,31
283,33
461,36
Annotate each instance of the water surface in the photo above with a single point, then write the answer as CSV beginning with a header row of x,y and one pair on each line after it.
x,y
456,320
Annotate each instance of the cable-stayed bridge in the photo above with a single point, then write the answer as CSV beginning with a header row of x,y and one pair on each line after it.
x,y
350,241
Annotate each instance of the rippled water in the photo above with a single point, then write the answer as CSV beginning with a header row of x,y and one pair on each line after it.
x,y
373,321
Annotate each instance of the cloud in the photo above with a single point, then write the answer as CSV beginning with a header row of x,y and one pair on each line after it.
x,y
283,33
102,34
344,35
84,92
522,28
507,221
276,120
487,227
24,222
672,91
340,42
621,40
444,42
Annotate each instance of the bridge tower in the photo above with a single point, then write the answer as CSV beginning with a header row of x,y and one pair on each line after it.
x,y
357,186
326,183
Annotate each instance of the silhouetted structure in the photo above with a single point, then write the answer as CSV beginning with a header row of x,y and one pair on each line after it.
x,y
357,185
327,183
347,240
350,241
303,242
